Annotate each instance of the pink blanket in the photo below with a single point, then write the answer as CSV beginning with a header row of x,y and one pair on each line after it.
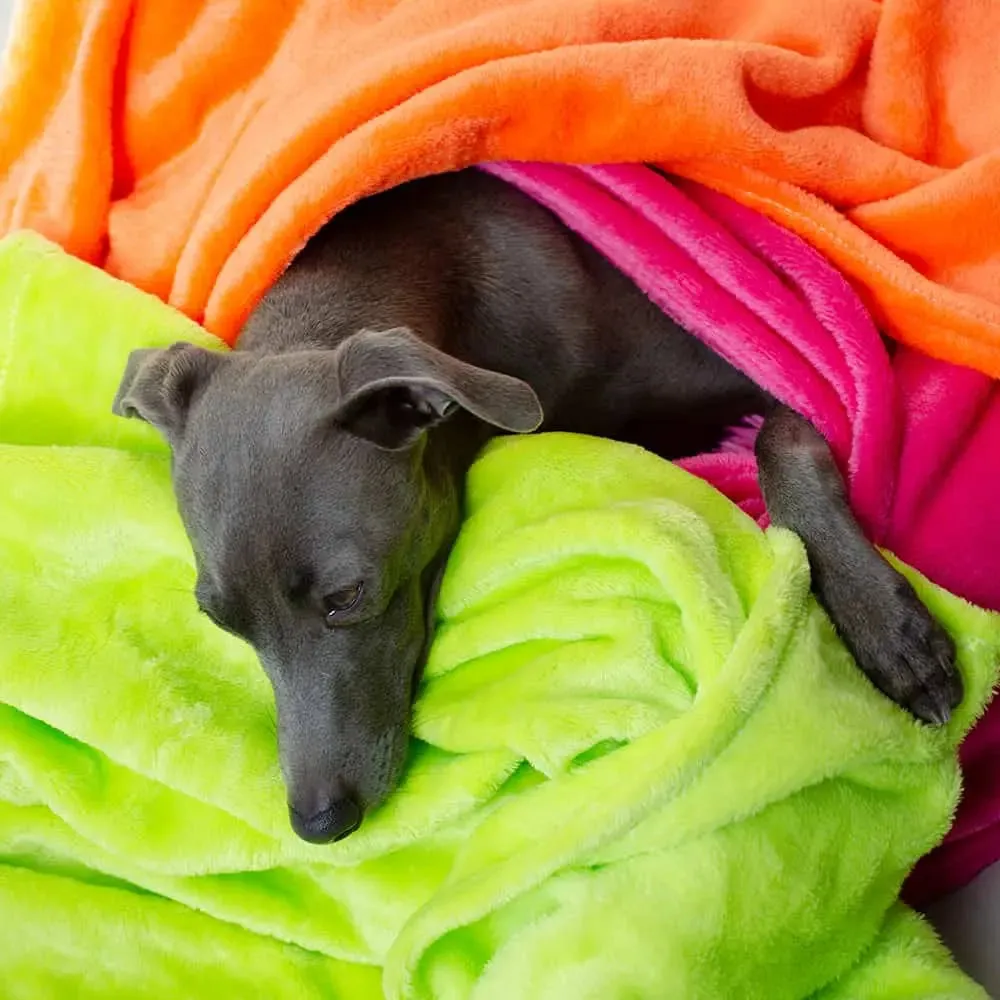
x,y
917,438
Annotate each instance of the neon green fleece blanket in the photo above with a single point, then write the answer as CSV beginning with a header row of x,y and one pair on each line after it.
x,y
643,765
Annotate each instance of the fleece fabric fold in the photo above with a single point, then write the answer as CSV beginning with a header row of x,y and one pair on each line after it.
x,y
642,763
916,438
194,145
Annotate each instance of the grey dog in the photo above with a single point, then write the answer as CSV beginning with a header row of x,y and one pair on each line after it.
x,y
319,467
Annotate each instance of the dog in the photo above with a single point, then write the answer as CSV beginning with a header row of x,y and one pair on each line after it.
x,y
318,468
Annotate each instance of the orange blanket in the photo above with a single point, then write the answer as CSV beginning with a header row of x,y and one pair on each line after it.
x,y
192,146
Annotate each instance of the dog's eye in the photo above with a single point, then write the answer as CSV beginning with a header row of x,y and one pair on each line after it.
x,y
341,601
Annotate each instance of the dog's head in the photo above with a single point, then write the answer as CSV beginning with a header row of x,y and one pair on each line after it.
x,y
320,503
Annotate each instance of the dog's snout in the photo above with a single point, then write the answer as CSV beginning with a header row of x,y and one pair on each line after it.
x,y
322,819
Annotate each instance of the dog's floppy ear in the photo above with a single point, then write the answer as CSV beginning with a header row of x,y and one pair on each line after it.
x,y
393,386
159,385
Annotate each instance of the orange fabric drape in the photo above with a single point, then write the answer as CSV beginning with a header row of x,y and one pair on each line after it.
x,y
192,146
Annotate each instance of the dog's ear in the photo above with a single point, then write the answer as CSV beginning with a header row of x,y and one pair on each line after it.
x,y
393,386
159,385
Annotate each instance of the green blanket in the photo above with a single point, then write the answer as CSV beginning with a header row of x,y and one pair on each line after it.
x,y
643,764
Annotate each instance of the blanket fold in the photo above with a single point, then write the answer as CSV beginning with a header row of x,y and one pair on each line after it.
x,y
194,145
916,438
642,761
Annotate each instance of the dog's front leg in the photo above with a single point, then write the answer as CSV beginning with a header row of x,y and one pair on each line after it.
x,y
893,637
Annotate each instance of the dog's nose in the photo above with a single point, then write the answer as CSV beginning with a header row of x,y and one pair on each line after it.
x,y
333,821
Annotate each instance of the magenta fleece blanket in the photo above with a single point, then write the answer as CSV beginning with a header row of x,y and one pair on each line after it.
x,y
918,440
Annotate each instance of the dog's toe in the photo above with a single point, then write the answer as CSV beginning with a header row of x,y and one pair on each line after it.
x,y
935,688
905,653
912,659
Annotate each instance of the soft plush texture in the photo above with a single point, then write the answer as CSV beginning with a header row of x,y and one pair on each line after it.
x,y
194,145
643,763
918,439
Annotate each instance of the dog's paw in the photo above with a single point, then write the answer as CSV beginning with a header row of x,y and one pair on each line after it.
x,y
896,641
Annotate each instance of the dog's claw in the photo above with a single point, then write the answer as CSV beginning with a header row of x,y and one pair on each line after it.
x,y
935,704
905,653
928,665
